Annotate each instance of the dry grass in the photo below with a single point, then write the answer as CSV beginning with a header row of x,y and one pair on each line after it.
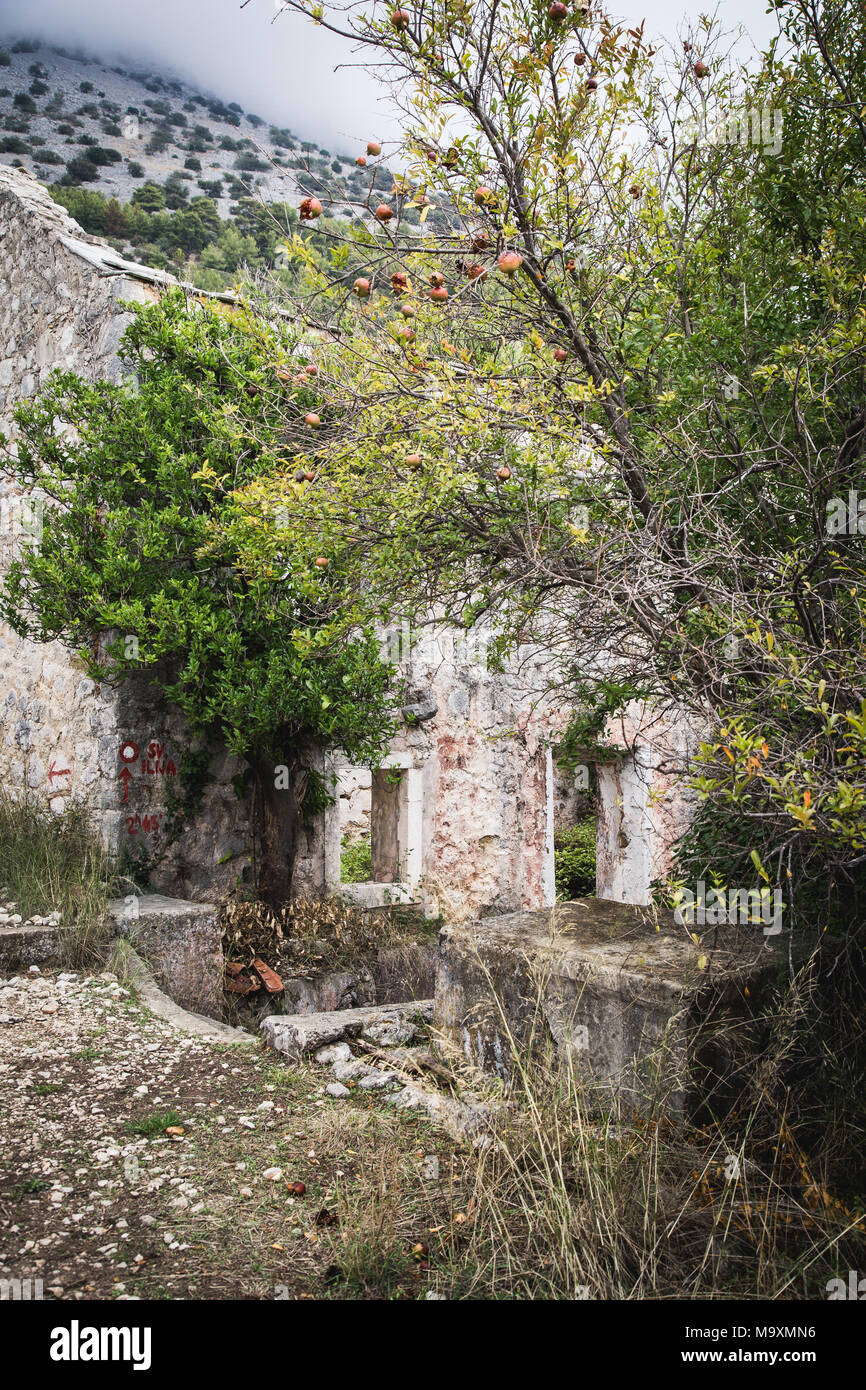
x,y
54,863
573,1196
315,932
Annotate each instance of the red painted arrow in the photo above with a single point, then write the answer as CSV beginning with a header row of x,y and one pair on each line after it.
x,y
55,771
125,776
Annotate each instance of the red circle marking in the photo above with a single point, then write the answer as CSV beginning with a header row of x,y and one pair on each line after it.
x,y
127,756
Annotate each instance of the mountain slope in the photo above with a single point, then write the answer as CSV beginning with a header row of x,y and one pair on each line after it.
x,y
161,148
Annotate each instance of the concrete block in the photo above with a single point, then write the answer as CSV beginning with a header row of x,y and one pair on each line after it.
x,y
297,1034
180,941
604,984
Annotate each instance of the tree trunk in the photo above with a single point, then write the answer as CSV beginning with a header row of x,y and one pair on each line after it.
x,y
277,818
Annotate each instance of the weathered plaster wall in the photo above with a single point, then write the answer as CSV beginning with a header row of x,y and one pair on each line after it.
x,y
479,776
644,806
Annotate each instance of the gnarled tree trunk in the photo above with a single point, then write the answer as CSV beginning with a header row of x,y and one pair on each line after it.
x,y
276,824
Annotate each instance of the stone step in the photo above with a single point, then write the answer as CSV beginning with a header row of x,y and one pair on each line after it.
x,y
197,1025
297,1034
22,946
180,940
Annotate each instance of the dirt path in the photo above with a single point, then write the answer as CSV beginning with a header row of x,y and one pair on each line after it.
x,y
97,1201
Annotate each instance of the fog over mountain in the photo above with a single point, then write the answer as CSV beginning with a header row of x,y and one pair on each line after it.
x,y
272,61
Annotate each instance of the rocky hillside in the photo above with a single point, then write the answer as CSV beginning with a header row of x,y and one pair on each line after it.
x,y
149,147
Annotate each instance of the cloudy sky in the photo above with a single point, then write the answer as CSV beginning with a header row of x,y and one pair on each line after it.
x,y
283,70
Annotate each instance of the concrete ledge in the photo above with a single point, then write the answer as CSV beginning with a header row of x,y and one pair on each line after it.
x,y
297,1034
376,895
183,1019
180,940
22,946
604,984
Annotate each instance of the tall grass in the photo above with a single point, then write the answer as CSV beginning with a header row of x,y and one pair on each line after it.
x,y
578,1193
56,863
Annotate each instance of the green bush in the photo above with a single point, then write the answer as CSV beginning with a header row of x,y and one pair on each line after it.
x,y
80,170
103,154
355,862
574,859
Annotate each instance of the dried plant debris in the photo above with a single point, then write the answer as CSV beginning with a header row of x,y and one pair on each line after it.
x,y
305,936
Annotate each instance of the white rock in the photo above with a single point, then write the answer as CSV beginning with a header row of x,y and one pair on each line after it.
x,y
335,1089
377,1080
391,1032
351,1071
337,1052
272,1174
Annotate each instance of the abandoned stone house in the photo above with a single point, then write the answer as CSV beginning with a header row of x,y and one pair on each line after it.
x,y
461,816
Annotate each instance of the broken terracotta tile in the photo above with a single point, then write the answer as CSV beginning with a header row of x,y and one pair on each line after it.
x,y
272,982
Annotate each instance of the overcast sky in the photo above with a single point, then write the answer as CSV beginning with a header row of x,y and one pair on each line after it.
x,y
283,71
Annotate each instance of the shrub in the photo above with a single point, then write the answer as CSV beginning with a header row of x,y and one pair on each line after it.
x,y
574,857
251,163
355,862
102,155
81,170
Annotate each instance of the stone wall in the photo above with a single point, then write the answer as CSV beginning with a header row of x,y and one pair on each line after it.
x,y
64,735
644,805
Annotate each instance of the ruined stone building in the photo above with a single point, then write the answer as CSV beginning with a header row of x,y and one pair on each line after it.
x,y
461,816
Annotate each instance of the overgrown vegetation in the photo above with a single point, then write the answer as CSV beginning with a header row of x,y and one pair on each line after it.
x,y
577,1194
574,859
323,933
641,415
151,558
51,863
355,861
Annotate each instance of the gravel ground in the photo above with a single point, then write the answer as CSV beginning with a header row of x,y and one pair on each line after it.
x,y
96,1210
